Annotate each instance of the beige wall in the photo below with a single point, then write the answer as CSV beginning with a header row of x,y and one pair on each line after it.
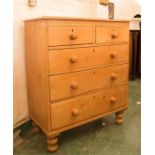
x,y
127,8
73,8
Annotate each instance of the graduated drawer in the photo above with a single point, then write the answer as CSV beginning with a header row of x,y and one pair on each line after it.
x,y
68,35
72,84
108,34
68,60
84,107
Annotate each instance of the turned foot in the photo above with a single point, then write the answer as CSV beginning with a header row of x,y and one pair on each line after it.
x,y
36,128
119,117
52,143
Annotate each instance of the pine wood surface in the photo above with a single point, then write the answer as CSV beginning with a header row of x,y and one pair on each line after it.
x,y
77,72
69,60
72,84
85,107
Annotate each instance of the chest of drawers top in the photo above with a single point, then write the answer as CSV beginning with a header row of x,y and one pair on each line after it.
x,y
74,18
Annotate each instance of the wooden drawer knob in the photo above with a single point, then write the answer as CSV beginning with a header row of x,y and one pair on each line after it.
x,y
114,35
113,55
73,36
113,76
74,85
113,100
75,112
73,59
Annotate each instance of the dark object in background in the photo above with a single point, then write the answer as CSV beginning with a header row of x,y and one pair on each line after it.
x,y
135,52
137,16
111,10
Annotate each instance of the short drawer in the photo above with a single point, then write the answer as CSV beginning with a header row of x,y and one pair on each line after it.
x,y
66,35
68,60
72,84
82,108
112,34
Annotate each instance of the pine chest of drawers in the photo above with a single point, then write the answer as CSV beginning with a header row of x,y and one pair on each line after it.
x,y
77,72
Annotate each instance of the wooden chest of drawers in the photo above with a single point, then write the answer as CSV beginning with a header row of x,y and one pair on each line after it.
x,y
77,72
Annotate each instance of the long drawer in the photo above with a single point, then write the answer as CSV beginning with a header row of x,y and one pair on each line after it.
x,y
68,35
110,34
84,107
72,84
68,60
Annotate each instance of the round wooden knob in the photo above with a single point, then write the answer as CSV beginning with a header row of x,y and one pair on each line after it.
x,y
73,59
113,76
74,85
114,35
73,36
75,112
113,100
113,55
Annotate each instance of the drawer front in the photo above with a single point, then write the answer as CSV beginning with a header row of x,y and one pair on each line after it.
x,y
72,84
69,60
81,108
70,35
112,34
